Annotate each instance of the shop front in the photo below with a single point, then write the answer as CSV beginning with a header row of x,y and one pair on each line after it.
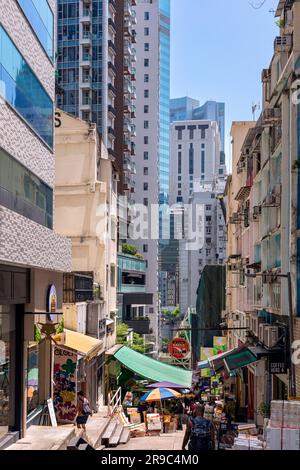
x,y
14,293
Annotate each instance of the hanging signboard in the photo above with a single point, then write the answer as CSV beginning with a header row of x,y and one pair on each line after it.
x,y
179,348
277,365
65,388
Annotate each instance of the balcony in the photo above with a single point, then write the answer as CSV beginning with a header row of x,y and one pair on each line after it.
x,y
111,47
86,15
111,111
112,5
86,37
111,132
111,26
142,326
112,90
112,69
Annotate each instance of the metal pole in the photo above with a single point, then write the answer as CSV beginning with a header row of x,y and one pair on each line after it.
x,y
291,337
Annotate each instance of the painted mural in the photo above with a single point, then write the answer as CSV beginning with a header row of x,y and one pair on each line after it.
x,y
65,388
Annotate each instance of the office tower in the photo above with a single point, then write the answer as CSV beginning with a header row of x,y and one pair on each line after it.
x,y
152,127
183,109
197,177
95,70
33,257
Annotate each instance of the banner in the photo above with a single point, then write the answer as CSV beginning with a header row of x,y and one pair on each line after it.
x,y
206,353
220,343
65,388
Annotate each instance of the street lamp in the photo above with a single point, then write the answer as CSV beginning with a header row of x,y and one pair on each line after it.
x,y
291,322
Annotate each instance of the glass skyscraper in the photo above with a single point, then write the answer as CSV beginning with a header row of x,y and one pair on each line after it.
x,y
164,100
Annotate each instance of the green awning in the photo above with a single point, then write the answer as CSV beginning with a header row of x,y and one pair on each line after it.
x,y
153,370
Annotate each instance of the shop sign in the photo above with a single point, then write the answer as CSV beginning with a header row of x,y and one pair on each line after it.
x,y
277,365
179,348
51,302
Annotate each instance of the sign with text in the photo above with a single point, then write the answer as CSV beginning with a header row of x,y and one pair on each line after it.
x,y
277,365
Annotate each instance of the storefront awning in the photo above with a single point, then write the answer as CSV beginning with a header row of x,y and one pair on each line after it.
x,y
230,360
84,344
153,370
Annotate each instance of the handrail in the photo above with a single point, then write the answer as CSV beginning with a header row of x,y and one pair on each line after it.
x,y
114,402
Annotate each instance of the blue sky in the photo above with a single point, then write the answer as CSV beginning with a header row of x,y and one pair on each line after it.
x,y
218,49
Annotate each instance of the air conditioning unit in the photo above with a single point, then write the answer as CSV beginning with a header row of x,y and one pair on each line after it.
x,y
234,219
257,210
271,336
255,322
272,200
234,267
261,332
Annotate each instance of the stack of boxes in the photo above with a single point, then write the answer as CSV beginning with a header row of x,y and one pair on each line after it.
x,y
283,430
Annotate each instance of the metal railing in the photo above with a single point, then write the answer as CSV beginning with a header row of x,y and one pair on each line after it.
x,y
114,401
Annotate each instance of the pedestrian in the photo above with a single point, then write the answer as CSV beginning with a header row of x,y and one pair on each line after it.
x,y
83,411
200,432
179,410
142,408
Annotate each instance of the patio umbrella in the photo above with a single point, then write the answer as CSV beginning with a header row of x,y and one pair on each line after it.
x,y
159,394
165,385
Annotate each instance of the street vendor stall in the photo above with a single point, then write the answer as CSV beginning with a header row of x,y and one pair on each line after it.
x,y
165,419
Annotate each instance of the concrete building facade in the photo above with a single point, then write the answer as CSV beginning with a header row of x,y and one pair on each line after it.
x,y
33,257
152,129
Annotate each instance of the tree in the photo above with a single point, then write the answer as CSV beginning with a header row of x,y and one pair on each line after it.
x,y
128,249
138,344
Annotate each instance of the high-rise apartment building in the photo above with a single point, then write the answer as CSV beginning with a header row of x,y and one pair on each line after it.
x,y
182,108
197,177
33,257
152,128
95,62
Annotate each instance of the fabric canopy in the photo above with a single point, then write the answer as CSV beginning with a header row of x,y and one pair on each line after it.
x,y
152,369
84,344
230,360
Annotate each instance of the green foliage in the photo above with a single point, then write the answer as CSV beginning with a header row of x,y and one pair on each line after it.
x,y
264,409
61,326
128,249
122,332
280,23
37,334
138,343
171,314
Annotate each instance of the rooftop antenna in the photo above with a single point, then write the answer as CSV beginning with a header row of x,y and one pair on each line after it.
x,y
255,107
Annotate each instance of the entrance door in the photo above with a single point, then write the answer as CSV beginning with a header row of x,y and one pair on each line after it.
x,y
7,369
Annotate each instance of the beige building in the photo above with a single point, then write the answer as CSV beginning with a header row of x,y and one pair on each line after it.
x,y
86,213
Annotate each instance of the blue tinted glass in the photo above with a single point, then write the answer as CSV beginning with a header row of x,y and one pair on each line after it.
x,y
41,19
23,192
23,91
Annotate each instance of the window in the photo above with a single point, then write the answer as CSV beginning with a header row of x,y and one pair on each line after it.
x,y
146,140
146,171
179,193
221,171
208,218
179,178
146,109
112,275
146,31
145,248
179,185
7,340
146,186
23,90
208,230
179,162
191,159
40,17
146,202
202,161
180,134
23,192
146,47
146,15
208,252
146,124
146,155
146,78
146,62
179,146
208,207
146,93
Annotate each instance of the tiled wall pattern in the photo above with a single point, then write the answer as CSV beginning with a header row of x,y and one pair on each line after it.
x,y
297,336
20,142
26,243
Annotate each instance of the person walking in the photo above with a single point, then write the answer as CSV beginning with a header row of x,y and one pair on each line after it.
x,y
200,432
83,411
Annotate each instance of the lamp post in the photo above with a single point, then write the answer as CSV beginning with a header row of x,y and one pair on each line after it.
x,y
286,276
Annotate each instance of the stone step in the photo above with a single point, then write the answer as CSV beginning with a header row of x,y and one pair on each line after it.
x,y
115,438
125,436
109,432
96,427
